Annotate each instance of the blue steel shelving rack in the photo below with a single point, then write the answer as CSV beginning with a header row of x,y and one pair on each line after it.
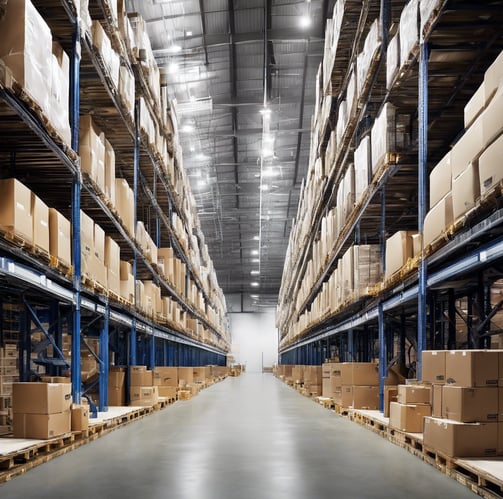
x,y
451,261
171,347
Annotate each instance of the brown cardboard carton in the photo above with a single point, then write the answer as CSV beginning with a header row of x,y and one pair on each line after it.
x,y
414,394
490,171
80,417
60,237
40,217
468,148
465,190
165,376
433,366
408,417
167,391
359,373
200,374
92,151
472,368
15,204
390,395
475,106
60,92
438,220
87,243
440,180
117,396
116,377
99,243
110,172
366,397
186,374
461,439
437,405
125,204
41,425
140,376
143,395
470,405
41,398
399,249
126,281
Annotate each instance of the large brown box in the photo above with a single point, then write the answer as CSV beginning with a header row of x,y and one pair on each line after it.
x,y
433,366
186,375
40,217
110,172
399,248
41,398
490,171
414,394
359,373
165,376
408,417
437,404
117,396
440,180
60,237
360,397
312,375
143,395
461,439
92,151
390,395
167,391
80,417
140,376
127,284
15,204
124,198
470,405
116,377
200,374
472,368
438,220
41,425
465,190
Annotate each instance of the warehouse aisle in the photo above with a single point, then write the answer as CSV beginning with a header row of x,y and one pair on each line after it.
x,y
251,437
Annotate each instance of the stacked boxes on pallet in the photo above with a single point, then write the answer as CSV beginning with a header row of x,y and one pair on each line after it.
x,y
142,391
166,380
414,403
472,167
313,380
467,416
41,410
117,386
356,385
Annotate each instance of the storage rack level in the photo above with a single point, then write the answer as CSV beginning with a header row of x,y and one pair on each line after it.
x,y
450,286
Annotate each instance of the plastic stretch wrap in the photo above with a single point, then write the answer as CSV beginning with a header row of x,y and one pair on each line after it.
x,y
60,90
392,60
110,58
127,88
426,10
383,136
26,48
362,167
370,50
409,33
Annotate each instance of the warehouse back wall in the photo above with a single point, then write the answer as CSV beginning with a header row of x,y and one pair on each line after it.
x,y
254,335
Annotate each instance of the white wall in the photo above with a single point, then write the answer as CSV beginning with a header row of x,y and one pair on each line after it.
x,y
254,335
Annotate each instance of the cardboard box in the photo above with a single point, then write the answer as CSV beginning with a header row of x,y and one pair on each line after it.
x,y
124,197
167,391
399,248
468,148
110,172
92,151
461,439
60,237
414,394
40,216
26,49
99,243
143,395
440,180
490,171
15,208
465,190
409,30
127,285
165,376
186,375
437,404
140,376
41,425
493,78
200,374
116,377
359,373
390,395
438,220
472,368
358,397
116,396
408,417
433,366
470,405
60,92
41,398
79,417
475,106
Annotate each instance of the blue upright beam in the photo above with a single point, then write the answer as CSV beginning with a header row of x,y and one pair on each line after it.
x,y
422,193
151,360
382,355
351,346
104,361
76,187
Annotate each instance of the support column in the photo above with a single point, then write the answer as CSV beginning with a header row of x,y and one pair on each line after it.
x,y
104,364
382,355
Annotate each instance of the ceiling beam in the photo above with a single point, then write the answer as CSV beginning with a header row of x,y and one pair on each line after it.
x,y
203,31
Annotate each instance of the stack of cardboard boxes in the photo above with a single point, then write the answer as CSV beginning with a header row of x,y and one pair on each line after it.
x,y
313,380
356,385
41,410
142,389
467,414
414,403
8,375
166,380
117,386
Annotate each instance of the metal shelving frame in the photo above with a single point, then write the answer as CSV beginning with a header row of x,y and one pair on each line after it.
x,y
473,250
38,285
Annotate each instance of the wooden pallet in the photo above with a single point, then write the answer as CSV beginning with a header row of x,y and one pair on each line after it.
x,y
63,267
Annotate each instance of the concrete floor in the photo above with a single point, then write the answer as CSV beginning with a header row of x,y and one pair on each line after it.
x,y
249,437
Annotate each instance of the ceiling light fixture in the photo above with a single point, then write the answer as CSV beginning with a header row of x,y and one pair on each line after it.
x,y
174,49
255,272
187,128
254,284
254,296
305,21
255,238
264,187
254,252
255,260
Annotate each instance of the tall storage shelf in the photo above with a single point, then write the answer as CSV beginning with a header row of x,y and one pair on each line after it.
x,y
363,279
73,288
